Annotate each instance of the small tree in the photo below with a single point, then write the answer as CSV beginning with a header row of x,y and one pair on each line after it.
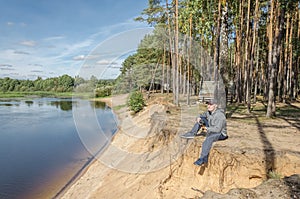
x,y
136,101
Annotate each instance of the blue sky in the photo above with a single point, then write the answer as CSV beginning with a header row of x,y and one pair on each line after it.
x,y
51,38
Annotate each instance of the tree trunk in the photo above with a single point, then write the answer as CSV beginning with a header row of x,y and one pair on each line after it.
x,y
271,70
286,57
188,62
257,73
176,56
172,61
297,86
217,51
290,66
239,55
163,70
247,67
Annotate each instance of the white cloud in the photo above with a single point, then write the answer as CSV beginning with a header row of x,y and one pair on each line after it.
x,y
29,43
21,52
105,62
79,57
54,38
10,23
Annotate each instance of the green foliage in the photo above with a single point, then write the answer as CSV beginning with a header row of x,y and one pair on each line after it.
x,y
103,92
64,83
136,101
61,84
274,175
143,67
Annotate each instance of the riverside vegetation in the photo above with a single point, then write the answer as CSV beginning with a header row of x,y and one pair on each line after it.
x,y
62,86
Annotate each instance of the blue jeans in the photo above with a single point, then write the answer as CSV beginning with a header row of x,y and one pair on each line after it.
x,y
207,144
209,140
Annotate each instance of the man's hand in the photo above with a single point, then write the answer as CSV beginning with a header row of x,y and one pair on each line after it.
x,y
198,120
203,129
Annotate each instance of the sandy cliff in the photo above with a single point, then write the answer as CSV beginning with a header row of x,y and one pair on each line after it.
x,y
147,159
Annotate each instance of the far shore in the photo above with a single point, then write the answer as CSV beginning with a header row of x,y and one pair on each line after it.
x,y
41,94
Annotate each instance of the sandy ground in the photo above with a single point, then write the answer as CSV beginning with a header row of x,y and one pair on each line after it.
x,y
254,149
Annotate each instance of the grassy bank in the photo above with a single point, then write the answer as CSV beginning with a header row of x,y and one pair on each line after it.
x,y
35,94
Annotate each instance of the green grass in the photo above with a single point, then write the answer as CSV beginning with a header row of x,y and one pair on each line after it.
x,y
44,94
274,175
288,111
258,112
119,107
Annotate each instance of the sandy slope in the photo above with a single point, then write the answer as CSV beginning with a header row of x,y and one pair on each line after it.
x,y
147,159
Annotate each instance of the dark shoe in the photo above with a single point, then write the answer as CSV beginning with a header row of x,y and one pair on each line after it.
x,y
223,137
200,162
188,135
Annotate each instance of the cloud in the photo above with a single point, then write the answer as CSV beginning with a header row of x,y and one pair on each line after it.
x,y
79,57
22,24
5,65
58,37
36,71
105,62
7,69
29,43
21,52
39,65
10,23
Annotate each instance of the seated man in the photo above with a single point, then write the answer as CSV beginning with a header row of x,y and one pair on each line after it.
x,y
215,122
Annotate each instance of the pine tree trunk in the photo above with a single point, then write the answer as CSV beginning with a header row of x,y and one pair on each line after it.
x,y
271,70
176,56
286,57
163,70
188,62
172,61
297,86
247,67
290,66
257,73
217,51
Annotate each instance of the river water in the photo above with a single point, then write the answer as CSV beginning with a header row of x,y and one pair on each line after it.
x,y
40,147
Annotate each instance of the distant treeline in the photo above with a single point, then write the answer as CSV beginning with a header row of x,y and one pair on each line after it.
x,y
64,83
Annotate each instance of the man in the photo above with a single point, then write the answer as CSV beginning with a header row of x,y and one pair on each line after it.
x,y
215,124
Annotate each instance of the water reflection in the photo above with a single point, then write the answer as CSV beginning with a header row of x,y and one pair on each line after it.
x,y
5,102
29,102
98,104
63,105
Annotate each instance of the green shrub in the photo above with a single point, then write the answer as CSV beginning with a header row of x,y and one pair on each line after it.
x,y
103,92
136,101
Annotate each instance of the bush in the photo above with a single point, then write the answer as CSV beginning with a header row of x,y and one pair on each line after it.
x,y
103,92
136,101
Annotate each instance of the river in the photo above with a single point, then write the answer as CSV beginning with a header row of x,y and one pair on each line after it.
x,y
41,149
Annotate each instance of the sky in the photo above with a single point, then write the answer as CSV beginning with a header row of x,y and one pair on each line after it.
x,y
42,38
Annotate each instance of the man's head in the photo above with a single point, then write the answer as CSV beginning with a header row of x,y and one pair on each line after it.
x,y
212,105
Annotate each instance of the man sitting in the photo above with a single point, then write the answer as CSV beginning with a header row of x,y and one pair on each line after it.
x,y
215,123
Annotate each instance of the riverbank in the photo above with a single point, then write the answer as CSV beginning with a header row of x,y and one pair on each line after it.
x,y
245,160
41,94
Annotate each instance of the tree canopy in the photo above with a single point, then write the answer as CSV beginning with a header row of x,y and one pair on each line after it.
x,y
253,46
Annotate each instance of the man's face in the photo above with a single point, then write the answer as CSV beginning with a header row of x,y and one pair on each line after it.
x,y
211,107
